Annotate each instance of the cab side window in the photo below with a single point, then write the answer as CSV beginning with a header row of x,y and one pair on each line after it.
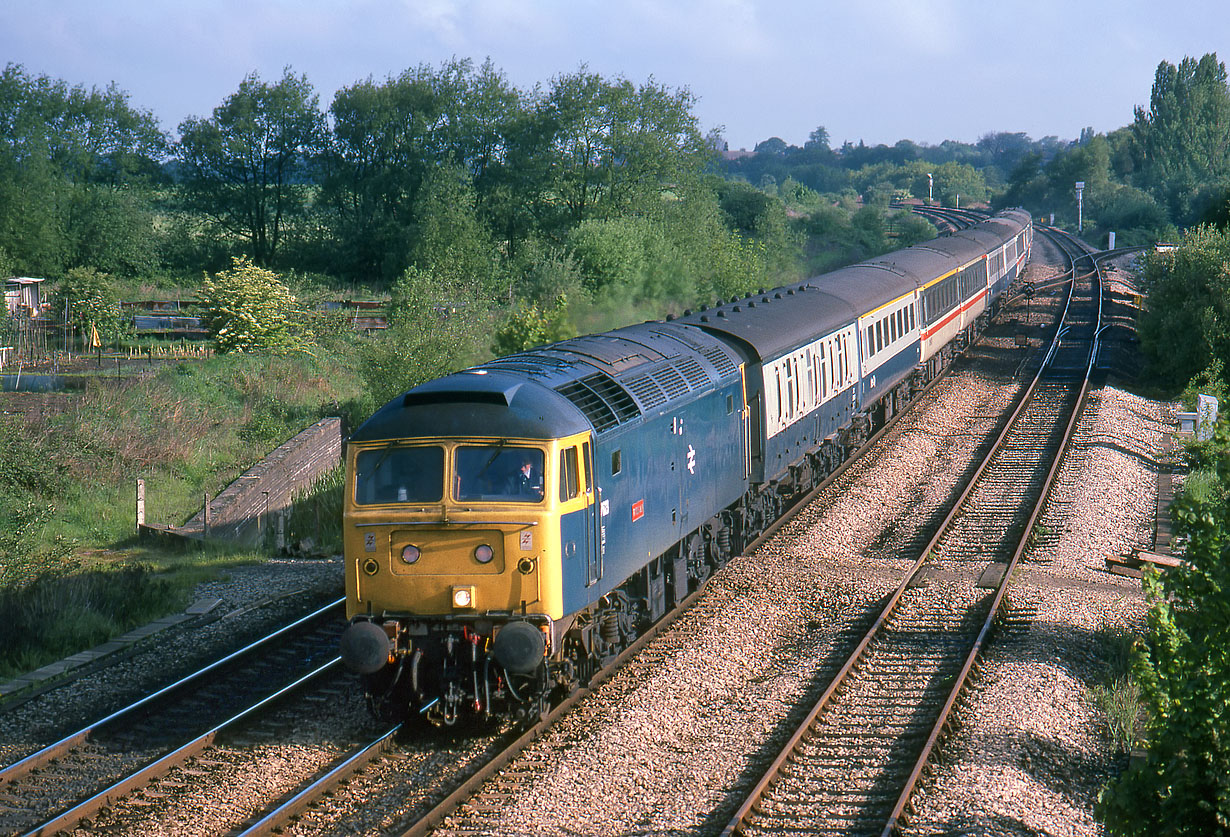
x,y
587,468
569,475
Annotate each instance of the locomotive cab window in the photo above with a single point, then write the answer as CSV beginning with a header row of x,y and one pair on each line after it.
x,y
569,476
499,473
399,475
587,468
617,462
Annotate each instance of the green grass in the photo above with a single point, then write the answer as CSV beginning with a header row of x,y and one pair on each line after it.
x,y
1117,697
98,597
67,491
317,513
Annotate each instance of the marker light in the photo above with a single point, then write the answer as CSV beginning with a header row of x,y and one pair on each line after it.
x,y
410,554
483,554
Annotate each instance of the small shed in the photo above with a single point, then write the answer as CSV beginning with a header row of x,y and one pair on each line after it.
x,y
23,293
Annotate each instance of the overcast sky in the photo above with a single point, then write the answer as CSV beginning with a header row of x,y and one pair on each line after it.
x,y
871,70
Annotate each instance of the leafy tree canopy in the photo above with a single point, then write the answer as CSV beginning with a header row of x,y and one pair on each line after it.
x,y
245,167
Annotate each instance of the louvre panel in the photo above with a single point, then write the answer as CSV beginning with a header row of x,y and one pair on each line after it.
x,y
646,390
671,381
588,402
695,374
614,395
527,364
721,361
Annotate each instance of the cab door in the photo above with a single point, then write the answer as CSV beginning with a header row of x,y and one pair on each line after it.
x,y
579,532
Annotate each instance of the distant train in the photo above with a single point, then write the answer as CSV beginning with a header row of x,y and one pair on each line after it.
x,y
512,527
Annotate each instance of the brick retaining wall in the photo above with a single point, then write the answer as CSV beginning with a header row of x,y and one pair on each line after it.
x,y
242,511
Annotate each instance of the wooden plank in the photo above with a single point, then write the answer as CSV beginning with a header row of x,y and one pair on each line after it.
x,y
1158,559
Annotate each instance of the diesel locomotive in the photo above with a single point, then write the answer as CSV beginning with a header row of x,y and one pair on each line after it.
x,y
512,527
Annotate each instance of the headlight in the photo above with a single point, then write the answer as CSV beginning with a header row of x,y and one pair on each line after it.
x,y
483,554
463,597
410,554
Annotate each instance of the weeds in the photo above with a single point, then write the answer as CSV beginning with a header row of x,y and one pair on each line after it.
x,y
52,616
1118,696
317,513
1119,701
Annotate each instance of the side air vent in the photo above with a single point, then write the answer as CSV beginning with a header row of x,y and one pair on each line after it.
x,y
614,395
602,400
671,381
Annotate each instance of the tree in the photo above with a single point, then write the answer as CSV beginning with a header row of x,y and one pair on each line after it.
x,y
246,167
91,302
773,145
528,326
249,308
76,170
430,334
818,139
387,138
1185,323
1184,136
611,147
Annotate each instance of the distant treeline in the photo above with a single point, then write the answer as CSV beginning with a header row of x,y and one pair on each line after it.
x,y
587,195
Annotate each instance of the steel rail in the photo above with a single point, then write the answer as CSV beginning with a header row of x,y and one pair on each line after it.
x,y
159,767
333,776
787,752
941,723
52,751
423,825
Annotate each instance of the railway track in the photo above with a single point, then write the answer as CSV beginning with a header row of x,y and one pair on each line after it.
x,y
475,808
853,762
70,780
948,218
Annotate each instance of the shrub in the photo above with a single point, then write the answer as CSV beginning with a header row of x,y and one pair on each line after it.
x,y
248,308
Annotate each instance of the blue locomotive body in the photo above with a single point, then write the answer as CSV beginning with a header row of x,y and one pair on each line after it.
x,y
511,527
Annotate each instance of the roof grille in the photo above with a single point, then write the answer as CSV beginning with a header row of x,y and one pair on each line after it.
x,y
604,402
647,391
721,361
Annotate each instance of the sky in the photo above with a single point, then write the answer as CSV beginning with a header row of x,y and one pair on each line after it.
x,y
872,70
